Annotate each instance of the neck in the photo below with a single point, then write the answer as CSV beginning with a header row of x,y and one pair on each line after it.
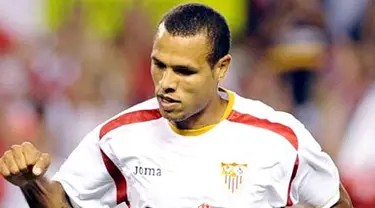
x,y
210,115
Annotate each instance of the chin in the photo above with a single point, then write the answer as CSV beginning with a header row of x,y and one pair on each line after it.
x,y
173,116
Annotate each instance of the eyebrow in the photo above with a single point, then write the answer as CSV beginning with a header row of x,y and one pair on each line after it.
x,y
156,59
188,67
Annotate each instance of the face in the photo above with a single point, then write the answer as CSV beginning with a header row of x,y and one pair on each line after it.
x,y
184,82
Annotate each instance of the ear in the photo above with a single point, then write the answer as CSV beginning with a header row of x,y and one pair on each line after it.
x,y
221,67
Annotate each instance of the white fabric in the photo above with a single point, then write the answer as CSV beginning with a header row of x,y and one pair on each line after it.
x,y
85,177
357,149
166,169
356,158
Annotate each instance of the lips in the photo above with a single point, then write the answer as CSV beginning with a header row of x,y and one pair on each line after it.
x,y
167,103
169,99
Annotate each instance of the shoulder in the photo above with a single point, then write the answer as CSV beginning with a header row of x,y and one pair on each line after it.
x,y
257,114
139,113
89,145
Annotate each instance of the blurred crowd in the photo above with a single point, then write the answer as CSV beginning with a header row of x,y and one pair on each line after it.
x,y
68,65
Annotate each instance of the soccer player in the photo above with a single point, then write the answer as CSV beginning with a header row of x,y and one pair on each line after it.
x,y
194,145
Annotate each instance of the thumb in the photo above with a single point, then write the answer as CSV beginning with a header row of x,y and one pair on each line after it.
x,y
42,164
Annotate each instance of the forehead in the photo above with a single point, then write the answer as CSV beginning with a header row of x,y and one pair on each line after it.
x,y
178,50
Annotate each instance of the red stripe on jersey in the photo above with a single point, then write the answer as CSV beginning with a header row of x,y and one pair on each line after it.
x,y
120,181
294,173
114,172
278,128
130,118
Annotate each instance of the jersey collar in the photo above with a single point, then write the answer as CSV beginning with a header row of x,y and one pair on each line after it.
x,y
199,131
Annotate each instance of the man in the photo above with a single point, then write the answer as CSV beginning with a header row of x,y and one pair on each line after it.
x,y
193,145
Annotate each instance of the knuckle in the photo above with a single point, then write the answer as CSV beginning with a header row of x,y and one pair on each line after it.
x,y
32,157
45,155
21,163
4,169
15,147
22,166
8,154
45,159
27,144
5,173
23,169
30,162
37,155
14,171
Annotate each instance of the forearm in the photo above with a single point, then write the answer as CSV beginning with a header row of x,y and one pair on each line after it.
x,y
342,204
344,201
43,193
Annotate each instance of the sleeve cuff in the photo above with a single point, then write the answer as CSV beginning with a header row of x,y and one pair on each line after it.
x,y
332,201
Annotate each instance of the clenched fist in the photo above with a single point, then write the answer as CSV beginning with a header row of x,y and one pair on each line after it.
x,y
23,164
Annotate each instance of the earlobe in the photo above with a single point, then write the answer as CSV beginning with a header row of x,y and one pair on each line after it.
x,y
220,79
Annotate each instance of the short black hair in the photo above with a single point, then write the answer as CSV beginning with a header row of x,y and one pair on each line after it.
x,y
193,18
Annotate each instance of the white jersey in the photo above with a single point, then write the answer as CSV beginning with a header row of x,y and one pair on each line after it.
x,y
255,157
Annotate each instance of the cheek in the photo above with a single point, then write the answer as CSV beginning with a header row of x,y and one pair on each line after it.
x,y
199,89
194,84
156,76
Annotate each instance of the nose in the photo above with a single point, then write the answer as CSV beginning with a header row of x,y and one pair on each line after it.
x,y
168,82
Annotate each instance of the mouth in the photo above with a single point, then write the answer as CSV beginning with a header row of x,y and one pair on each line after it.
x,y
168,99
167,103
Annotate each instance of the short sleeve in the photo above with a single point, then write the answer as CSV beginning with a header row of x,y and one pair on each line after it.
x,y
84,176
317,180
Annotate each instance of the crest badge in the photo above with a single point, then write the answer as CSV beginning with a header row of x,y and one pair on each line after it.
x,y
233,175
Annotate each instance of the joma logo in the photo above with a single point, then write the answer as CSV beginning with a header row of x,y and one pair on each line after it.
x,y
147,171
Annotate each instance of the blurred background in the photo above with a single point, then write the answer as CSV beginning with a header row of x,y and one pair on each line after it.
x,y
68,65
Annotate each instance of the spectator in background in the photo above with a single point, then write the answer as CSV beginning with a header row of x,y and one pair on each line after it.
x,y
137,44
356,157
284,59
5,44
294,44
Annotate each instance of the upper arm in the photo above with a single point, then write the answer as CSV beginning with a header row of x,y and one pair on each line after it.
x,y
317,180
84,176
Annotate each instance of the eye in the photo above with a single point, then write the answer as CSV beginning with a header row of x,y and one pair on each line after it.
x,y
184,71
160,65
